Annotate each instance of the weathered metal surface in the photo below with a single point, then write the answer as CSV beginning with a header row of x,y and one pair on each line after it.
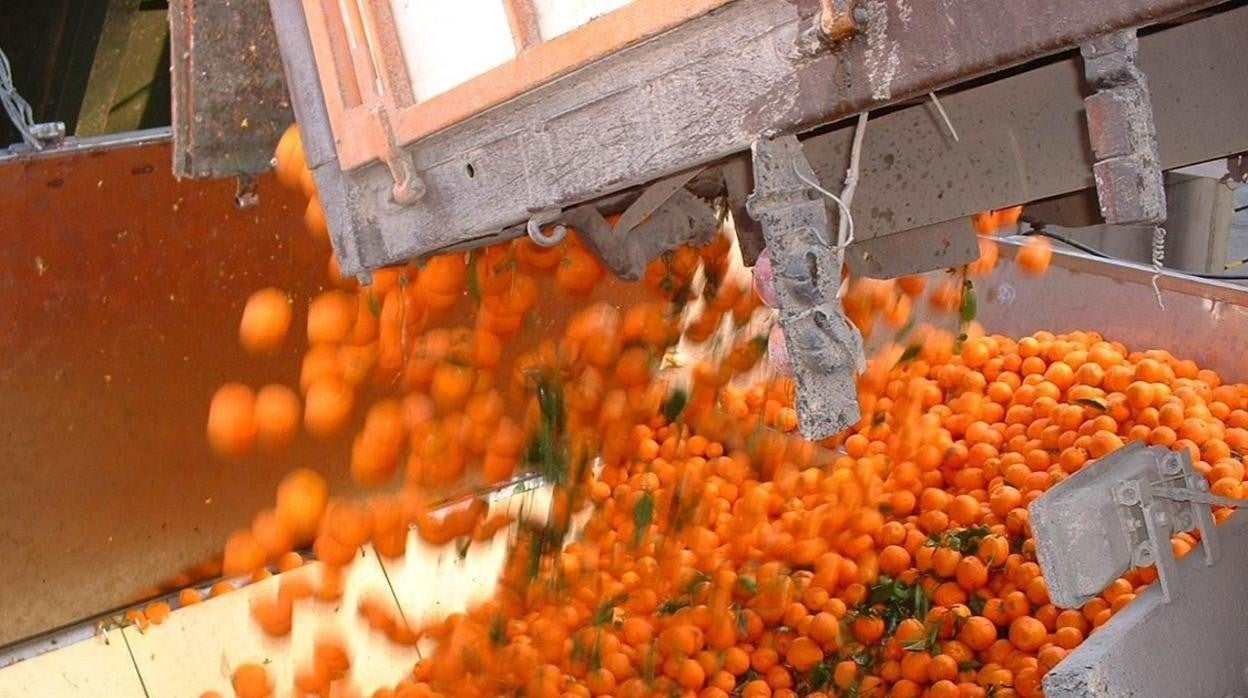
x,y
696,94
1192,646
1120,126
681,219
836,19
937,246
119,307
1113,516
1205,321
1024,137
825,349
230,104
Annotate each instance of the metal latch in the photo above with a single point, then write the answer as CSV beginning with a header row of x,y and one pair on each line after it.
x,y
825,348
1119,513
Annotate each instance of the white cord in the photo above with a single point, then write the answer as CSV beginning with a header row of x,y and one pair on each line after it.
x,y
845,222
1159,256
841,242
851,173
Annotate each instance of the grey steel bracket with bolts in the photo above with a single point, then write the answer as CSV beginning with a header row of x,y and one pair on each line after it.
x,y
825,349
1123,136
1119,513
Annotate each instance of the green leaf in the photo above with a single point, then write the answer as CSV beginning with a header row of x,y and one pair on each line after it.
x,y
910,353
643,516
905,330
671,606
675,404
820,675
498,630
374,305
970,305
700,578
748,584
606,611
969,665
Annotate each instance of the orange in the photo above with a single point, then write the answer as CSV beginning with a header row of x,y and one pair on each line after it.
x,y
1027,633
327,407
277,416
301,499
242,553
251,681
331,316
1035,255
232,428
266,319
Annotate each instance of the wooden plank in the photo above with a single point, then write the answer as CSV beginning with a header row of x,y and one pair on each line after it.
x,y
522,18
538,65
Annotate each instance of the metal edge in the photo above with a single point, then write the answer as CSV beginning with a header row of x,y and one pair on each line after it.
x,y
89,144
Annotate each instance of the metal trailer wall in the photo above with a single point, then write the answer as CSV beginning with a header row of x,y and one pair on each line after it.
x,y
120,293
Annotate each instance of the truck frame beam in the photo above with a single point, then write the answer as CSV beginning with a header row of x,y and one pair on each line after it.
x,y
694,95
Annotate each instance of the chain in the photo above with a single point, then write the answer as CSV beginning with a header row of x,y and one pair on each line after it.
x,y
17,108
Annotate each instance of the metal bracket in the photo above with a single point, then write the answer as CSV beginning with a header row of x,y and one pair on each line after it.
x,y
1152,508
1118,513
1127,170
681,219
826,350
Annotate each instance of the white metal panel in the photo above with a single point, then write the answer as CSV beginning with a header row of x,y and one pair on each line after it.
x,y
445,43
198,647
556,17
89,668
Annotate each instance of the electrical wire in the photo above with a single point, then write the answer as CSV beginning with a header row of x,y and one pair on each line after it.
x,y
1102,255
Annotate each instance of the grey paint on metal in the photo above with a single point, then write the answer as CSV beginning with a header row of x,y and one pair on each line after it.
x,y
1206,321
937,246
680,220
1192,646
1128,177
230,103
1115,515
825,349
1198,222
1024,137
693,95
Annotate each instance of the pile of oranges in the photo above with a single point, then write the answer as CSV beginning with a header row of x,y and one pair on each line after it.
x,y
722,554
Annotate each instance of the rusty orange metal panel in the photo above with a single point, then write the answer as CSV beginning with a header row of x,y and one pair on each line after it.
x,y
119,308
